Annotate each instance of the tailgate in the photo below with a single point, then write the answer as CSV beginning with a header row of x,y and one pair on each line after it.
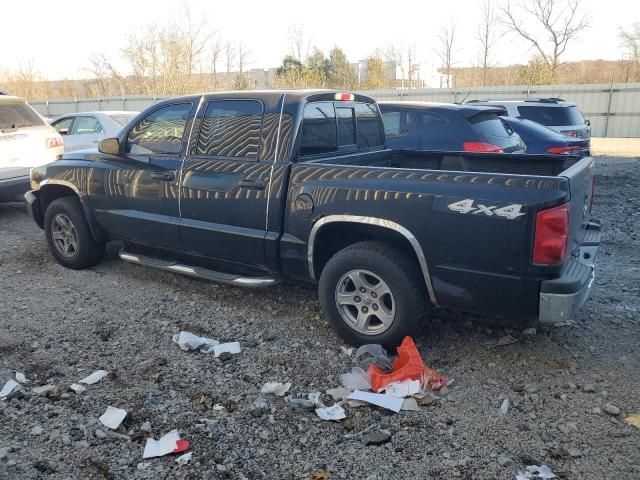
x,y
580,177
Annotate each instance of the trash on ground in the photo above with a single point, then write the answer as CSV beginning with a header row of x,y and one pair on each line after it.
x,y
370,428
95,377
320,475
356,379
633,419
339,393
277,388
170,443
300,402
21,377
403,389
379,399
373,354
347,351
502,341
231,347
410,404
435,379
77,388
504,408
43,390
8,388
112,417
334,412
378,437
188,341
536,472
184,459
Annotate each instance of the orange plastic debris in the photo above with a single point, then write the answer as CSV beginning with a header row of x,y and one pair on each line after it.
x,y
407,366
435,379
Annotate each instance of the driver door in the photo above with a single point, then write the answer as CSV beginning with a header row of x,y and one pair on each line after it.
x,y
135,195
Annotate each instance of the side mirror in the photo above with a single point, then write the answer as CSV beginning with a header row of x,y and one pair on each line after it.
x,y
63,131
588,122
110,146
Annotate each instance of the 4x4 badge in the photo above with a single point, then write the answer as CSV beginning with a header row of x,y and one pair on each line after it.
x,y
467,206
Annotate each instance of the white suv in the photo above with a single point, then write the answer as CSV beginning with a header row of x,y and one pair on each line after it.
x,y
555,113
26,141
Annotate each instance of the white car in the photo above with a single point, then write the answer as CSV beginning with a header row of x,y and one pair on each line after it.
x,y
26,141
83,131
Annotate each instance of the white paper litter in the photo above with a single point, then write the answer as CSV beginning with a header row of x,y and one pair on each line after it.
x,y
188,341
339,393
184,459
536,472
164,446
21,377
277,388
76,387
8,388
379,399
113,417
95,377
403,389
334,412
231,347
356,379
42,390
410,404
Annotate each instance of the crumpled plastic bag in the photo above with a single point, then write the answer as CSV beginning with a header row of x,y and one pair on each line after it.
x,y
373,353
188,341
356,379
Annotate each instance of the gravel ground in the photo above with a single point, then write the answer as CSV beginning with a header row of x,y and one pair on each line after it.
x,y
58,325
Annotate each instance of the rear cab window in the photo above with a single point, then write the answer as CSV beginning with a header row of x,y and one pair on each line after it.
x,y
552,116
329,127
18,115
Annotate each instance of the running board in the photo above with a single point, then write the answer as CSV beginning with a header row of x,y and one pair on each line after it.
x,y
197,272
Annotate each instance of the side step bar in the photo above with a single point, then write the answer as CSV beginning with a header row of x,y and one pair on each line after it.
x,y
197,272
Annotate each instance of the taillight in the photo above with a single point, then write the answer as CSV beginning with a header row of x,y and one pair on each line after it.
x,y
53,142
481,147
551,236
564,150
570,133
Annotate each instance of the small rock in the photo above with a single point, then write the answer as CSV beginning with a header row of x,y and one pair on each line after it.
x,y
37,430
589,388
225,356
529,331
504,460
260,407
82,444
611,409
574,452
146,427
4,452
504,408
378,437
100,433
43,390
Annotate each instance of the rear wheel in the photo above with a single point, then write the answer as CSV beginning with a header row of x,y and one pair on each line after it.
x,y
68,235
372,293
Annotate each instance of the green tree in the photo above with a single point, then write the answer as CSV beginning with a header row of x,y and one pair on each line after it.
x,y
341,74
376,74
536,72
318,68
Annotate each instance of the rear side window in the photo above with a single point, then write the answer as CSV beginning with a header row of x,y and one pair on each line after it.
x,y
398,124
431,121
318,129
231,128
17,115
86,125
490,125
552,116
369,132
159,132
346,126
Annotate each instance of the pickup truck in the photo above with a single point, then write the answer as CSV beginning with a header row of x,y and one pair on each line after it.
x,y
253,188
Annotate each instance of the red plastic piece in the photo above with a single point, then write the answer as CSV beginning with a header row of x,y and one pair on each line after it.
x,y
182,445
407,366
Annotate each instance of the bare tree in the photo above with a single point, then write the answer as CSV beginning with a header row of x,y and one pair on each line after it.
x,y
487,37
446,50
229,56
395,55
630,40
299,44
559,20
404,60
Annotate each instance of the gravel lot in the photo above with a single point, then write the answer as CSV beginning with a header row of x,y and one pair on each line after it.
x,y
58,325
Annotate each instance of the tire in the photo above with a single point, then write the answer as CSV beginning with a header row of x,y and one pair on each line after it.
x,y
401,310
72,246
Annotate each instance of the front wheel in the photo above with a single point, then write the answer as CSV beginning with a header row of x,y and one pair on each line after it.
x,y
68,235
372,293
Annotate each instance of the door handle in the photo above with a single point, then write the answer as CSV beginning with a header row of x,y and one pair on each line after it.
x,y
165,176
253,184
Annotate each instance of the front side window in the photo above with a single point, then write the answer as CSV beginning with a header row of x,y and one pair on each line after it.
x,y
86,125
231,128
159,132
369,134
318,129
63,126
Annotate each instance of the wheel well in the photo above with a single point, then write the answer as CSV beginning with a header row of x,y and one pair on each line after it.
x,y
50,193
335,236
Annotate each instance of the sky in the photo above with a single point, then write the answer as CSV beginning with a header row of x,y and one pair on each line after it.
x,y
59,38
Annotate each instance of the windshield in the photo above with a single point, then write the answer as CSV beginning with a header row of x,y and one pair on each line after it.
x,y
123,118
552,116
17,115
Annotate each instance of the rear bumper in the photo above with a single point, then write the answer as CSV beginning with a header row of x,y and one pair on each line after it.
x,y
12,189
561,298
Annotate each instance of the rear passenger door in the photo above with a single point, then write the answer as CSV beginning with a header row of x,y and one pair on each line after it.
x,y
224,185
87,131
